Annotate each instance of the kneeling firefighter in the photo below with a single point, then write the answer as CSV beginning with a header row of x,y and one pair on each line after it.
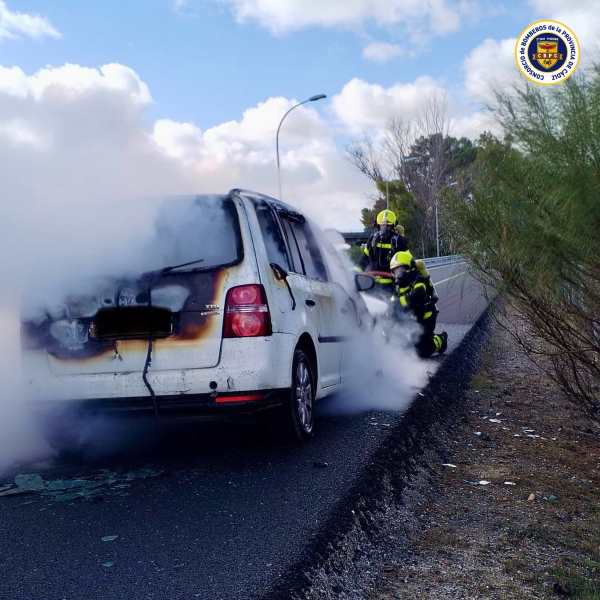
x,y
382,245
416,295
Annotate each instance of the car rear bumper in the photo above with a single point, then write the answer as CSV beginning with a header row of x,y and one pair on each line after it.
x,y
246,366
205,405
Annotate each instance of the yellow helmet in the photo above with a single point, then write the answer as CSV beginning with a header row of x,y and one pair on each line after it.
x,y
401,259
386,217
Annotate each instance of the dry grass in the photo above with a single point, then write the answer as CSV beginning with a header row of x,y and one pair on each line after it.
x,y
495,541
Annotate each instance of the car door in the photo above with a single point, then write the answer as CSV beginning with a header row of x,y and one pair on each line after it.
x,y
349,305
327,318
299,284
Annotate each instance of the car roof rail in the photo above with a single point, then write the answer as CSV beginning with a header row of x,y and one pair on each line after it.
x,y
278,205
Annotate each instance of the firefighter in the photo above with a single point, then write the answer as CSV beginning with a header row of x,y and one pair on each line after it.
x,y
387,239
416,295
424,273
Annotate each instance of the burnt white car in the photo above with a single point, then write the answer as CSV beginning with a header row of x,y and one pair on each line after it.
x,y
247,308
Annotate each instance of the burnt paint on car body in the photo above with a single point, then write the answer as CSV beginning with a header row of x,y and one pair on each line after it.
x,y
190,322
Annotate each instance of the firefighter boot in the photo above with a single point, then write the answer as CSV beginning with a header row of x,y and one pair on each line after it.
x,y
440,342
443,342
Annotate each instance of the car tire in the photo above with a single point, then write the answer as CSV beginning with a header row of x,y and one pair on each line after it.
x,y
298,417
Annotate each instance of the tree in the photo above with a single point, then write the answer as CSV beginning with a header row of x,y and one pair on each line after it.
x,y
531,228
424,158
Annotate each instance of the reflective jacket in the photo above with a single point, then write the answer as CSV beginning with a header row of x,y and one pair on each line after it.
x,y
379,251
418,297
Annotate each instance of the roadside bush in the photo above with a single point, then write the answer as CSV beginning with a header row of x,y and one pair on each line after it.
x,y
532,226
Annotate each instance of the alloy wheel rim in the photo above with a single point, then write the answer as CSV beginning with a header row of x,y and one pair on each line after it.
x,y
304,396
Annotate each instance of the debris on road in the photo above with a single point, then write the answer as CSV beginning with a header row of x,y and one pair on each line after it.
x,y
30,482
68,490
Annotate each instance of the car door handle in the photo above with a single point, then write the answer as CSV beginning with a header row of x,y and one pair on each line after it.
x,y
310,302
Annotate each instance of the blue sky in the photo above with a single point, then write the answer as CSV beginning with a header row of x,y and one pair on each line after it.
x,y
203,66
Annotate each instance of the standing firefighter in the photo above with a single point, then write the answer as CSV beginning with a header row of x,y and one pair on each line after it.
x,y
416,295
382,245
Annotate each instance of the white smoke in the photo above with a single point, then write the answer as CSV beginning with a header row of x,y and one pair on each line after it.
x,y
20,439
386,371
74,154
76,164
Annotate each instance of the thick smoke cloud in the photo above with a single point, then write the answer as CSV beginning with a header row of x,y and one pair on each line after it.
x,y
79,163
74,155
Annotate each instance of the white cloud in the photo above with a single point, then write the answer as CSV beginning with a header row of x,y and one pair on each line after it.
x,y
73,82
583,17
16,25
280,16
382,52
473,124
490,67
83,131
73,145
182,141
363,107
367,108
72,135
180,6
315,172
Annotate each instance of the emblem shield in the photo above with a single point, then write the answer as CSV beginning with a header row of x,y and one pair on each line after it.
x,y
547,54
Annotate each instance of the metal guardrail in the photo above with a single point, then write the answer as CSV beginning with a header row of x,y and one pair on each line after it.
x,y
441,261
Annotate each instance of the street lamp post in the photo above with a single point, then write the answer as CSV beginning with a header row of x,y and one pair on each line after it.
x,y
311,99
437,228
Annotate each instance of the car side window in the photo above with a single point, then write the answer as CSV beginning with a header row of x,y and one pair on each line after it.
x,y
310,252
297,265
272,236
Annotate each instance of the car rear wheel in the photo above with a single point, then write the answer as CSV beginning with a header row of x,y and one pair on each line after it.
x,y
298,411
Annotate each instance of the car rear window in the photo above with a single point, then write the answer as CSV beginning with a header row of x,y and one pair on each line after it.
x,y
199,228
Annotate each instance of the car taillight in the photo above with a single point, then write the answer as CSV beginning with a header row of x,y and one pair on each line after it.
x,y
237,399
246,312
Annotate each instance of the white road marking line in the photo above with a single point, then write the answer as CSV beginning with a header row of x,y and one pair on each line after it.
x,y
449,278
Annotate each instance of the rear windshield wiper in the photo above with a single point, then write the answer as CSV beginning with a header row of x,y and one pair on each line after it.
x,y
187,264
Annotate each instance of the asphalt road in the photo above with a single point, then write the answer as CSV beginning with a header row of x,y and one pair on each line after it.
x,y
200,511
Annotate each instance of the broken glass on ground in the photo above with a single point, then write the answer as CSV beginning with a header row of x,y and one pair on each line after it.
x,y
67,490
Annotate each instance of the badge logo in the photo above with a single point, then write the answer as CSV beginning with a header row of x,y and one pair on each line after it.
x,y
127,297
547,52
